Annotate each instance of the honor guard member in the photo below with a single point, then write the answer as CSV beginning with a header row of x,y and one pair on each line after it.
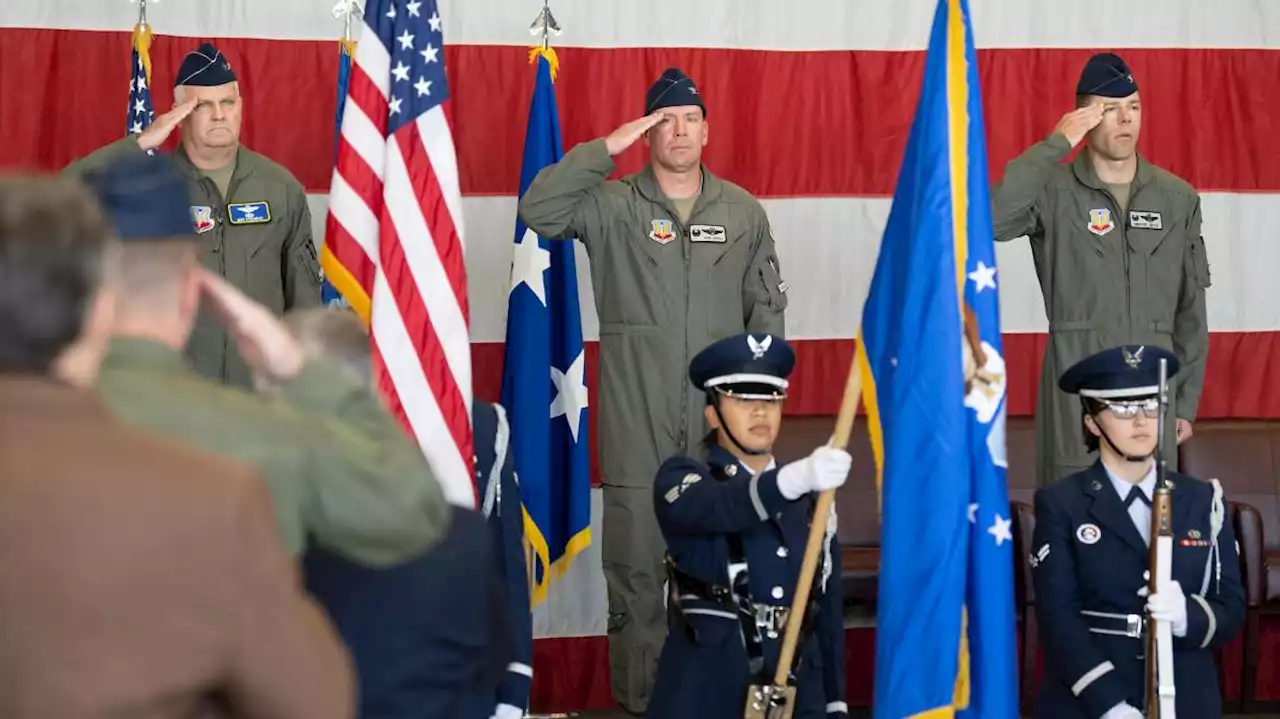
x,y
679,259
250,212
1090,556
1118,252
736,527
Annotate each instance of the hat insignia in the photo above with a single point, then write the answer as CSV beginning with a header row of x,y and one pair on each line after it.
x,y
758,347
1133,359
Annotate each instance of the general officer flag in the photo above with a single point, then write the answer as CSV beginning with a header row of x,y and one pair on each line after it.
x,y
934,385
329,294
544,388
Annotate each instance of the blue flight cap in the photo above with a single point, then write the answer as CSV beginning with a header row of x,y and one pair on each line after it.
x,y
145,197
1119,373
204,66
673,89
750,366
1106,75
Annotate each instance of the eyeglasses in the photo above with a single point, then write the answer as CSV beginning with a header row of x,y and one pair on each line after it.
x,y
1128,410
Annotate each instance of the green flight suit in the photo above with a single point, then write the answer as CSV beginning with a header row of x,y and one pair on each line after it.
x,y
665,288
1112,273
342,472
271,259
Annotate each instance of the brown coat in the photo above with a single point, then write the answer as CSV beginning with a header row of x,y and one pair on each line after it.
x,y
139,577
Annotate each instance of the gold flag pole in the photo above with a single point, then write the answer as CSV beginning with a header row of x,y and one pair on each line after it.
x,y
778,700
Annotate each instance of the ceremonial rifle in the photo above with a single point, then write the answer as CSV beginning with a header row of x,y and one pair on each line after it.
x,y
1159,640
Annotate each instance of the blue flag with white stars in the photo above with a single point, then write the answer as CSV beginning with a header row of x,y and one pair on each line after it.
x,y
934,388
413,34
544,386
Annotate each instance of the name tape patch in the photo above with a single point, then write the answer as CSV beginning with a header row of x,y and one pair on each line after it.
x,y
1145,220
249,213
707,233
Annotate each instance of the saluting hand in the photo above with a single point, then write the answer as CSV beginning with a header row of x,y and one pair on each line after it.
x,y
159,130
1076,124
262,338
626,136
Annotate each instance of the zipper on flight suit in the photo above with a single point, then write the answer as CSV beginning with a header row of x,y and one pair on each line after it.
x,y
1124,258
688,257
220,248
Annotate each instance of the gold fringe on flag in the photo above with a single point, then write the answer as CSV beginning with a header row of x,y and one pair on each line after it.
x,y
142,43
550,54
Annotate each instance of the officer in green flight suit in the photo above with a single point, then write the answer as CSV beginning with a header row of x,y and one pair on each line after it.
x,y
1118,252
680,258
250,212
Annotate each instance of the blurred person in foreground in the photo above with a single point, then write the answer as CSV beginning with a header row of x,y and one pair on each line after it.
x,y
342,472
142,578
437,636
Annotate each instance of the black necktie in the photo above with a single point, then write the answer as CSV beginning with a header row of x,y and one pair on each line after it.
x,y
1136,492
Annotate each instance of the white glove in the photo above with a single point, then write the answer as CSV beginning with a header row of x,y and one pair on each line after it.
x,y
1122,711
506,711
1169,604
826,468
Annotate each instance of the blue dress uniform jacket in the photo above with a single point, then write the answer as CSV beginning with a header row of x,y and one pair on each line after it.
x,y
703,671
437,637
1089,560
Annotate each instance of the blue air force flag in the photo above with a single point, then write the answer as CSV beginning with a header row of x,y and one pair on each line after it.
x,y
544,387
934,385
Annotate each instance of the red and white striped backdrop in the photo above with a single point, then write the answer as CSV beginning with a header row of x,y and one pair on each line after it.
x,y
809,106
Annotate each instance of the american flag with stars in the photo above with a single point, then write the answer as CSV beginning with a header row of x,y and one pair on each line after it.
x,y
394,237
141,112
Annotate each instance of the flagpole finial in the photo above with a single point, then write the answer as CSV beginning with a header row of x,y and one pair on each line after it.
x,y
545,25
142,9
346,11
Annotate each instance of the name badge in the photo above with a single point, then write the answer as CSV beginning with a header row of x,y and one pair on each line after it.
x,y
249,213
1143,220
706,233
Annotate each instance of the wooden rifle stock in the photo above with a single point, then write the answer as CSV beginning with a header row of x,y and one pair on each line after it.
x,y
1159,671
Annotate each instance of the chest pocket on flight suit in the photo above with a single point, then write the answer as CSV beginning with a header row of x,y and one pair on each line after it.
x,y
261,248
1158,239
719,264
